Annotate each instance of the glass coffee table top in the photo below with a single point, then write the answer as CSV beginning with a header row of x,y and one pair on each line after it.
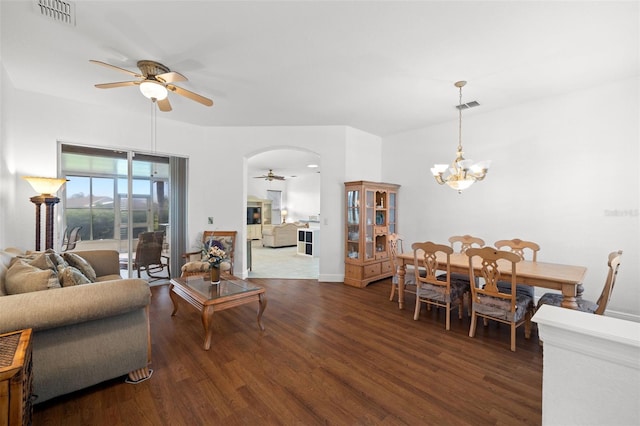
x,y
226,287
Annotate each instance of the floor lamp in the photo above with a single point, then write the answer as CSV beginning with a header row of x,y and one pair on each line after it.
x,y
46,187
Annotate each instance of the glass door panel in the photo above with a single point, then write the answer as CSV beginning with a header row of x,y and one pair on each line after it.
x,y
353,224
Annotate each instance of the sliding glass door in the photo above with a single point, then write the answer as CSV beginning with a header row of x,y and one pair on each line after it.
x,y
115,195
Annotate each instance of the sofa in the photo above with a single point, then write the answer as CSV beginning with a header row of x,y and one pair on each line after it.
x,y
82,334
283,235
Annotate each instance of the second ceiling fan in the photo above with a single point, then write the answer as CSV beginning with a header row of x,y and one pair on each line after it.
x,y
270,176
155,81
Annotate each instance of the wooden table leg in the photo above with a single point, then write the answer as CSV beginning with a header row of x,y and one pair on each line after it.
x,y
401,273
262,299
569,296
207,319
174,300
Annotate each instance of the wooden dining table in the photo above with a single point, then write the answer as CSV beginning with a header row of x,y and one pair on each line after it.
x,y
566,278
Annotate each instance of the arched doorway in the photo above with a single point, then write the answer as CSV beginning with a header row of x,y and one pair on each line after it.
x,y
283,193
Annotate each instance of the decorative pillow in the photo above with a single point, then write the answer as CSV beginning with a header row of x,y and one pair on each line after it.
x,y
56,258
70,275
81,264
24,278
42,261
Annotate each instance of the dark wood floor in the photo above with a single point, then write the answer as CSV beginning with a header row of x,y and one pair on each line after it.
x,y
330,354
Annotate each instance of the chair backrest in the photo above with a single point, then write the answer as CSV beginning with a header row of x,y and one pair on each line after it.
x,y
149,249
519,247
226,238
605,296
425,259
71,239
491,275
395,248
466,242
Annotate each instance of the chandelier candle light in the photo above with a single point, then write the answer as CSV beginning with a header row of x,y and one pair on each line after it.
x,y
462,173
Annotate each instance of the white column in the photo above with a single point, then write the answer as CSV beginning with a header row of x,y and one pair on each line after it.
x,y
591,368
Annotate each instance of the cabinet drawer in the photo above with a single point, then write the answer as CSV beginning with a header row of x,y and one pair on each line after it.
x,y
381,230
371,270
353,271
382,255
387,267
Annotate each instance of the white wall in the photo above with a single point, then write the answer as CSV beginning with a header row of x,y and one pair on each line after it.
x,y
560,167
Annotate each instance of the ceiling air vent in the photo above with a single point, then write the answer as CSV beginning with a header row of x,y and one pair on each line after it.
x,y
468,105
57,10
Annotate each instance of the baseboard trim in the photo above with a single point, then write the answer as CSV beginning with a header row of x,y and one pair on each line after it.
x,y
331,278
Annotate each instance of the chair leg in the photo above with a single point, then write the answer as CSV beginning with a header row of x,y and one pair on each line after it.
x,y
416,313
472,329
460,307
513,337
393,291
527,325
447,313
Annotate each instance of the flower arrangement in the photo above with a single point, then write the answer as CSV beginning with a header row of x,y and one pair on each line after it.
x,y
215,254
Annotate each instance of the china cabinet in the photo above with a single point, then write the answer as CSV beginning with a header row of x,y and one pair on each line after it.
x,y
371,215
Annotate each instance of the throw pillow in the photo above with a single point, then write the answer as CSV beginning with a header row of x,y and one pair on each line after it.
x,y
42,261
81,264
71,276
56,258
23,278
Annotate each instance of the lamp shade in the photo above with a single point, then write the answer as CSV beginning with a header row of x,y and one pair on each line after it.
x,y
45,185
153,90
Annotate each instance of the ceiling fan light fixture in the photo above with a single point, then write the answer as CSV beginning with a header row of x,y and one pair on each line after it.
x,y
153,90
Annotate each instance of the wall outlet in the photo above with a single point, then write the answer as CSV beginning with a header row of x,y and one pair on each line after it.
x,y
210,220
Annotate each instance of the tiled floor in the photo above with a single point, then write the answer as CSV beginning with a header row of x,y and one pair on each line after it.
x,y
281,262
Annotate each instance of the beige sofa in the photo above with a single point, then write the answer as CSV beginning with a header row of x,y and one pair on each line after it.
x,y
82,334
283,235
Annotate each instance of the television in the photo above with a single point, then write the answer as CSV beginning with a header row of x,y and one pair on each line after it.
x,y
254,216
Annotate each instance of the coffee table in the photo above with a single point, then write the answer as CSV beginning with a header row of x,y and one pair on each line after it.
x,y
209,298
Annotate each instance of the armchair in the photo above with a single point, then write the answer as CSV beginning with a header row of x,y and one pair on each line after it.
x,y
226,238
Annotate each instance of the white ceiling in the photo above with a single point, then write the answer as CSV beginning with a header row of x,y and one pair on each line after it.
x,y
382,67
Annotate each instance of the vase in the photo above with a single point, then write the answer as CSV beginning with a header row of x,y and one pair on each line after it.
x,y
215,275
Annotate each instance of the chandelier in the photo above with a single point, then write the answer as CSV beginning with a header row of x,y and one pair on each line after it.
x,y
462,173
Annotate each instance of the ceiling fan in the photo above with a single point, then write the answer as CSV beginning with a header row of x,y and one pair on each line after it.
x,y
270,176
156,81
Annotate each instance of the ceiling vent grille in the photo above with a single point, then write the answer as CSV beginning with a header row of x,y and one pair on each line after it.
x,y
468,105
57,10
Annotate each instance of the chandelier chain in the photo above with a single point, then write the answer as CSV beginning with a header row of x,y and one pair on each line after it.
x,y
460,121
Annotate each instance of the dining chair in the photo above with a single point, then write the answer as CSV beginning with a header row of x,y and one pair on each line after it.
x,y
395,248
600,305
433,289
149,256
465,242
521,248
489,302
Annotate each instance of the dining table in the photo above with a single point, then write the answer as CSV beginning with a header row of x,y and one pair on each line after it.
x,y
566,278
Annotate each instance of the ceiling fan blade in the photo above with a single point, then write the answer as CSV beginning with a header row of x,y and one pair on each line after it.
x,y
104,64
171,77
188,94
164,105
117,84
